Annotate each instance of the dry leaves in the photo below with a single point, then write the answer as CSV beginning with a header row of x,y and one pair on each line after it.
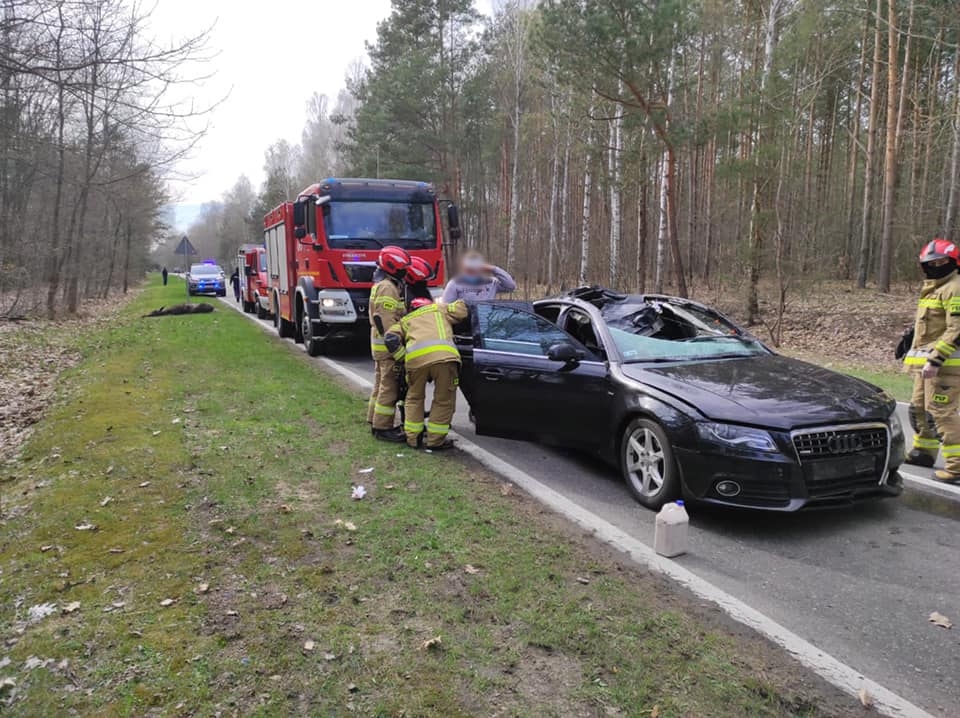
x,y
167,602
86,527
655,712
348,525
203,588
866,700
71,607
309,646
285,509
584,580
506,489
48,547
471,569
938,619
106,500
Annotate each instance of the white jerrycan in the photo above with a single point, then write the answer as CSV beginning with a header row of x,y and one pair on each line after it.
x,y
670,530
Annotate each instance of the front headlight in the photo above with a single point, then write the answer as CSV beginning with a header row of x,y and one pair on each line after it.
x,y
331,302
737,437
896,427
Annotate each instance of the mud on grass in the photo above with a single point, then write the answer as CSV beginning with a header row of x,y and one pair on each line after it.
x,y
230,573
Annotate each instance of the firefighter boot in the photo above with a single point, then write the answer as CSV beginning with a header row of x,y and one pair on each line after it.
x,y
394,435
918,457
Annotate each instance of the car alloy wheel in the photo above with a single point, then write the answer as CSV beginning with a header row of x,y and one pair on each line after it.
x,y
647,463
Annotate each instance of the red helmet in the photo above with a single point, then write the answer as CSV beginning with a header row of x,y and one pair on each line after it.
x,y
418,271
419,302
939,248
393,260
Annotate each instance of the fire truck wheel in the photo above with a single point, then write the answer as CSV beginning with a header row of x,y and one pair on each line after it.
x,y
311,343
261,312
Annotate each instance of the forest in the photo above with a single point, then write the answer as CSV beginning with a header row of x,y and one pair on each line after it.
x,y
91,122
684,146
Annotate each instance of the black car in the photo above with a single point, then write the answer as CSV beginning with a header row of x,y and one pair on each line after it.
x,y
681,399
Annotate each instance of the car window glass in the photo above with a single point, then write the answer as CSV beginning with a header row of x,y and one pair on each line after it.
x,y
506,329
579,325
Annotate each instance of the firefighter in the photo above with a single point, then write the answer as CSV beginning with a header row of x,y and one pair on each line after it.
x,y
423,339
934,360
386,308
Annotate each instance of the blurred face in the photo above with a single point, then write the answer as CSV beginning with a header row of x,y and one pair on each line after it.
x,y
471,265
937,268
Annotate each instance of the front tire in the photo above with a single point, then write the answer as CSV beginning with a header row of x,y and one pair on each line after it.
x,y
261,312
648,465
311,343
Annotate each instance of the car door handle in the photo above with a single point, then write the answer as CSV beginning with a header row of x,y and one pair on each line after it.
x,y
491,374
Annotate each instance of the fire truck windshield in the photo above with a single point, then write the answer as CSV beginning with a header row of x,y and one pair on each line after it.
x,y
356,225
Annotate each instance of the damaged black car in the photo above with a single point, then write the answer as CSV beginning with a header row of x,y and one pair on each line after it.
x,y
681,399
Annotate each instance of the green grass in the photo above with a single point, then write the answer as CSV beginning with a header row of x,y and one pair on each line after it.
x,y
248,497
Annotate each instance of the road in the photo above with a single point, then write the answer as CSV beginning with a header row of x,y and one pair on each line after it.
x,y
858,582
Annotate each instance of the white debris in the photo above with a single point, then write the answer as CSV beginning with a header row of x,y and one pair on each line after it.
x,y
358,493
368,470
40,611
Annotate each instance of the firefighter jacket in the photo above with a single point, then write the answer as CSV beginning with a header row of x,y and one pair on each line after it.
x,y
425,336
386,304
937,330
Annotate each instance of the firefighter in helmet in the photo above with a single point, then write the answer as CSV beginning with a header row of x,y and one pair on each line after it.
x,y
423,339
386,308
934,360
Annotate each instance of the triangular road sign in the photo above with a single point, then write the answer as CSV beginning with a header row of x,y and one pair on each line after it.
x,y
185,248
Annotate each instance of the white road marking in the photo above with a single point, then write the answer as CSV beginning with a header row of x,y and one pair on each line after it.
x,y
826,666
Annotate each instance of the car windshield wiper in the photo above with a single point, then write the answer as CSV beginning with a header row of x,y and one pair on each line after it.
x,y
675,360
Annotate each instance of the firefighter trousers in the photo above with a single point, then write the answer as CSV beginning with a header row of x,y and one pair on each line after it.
x,y
446,378
935,419
386,391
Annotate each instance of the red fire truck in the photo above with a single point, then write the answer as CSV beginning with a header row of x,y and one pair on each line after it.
x,y
322,250
254,280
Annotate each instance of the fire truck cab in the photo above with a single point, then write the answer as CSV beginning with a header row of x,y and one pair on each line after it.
x,y
254,280
322,249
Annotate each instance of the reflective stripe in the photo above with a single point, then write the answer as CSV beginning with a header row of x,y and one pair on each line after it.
x,y
442,429
413,427
378,342
419,349
383,410
953,306
920,443
387,303
400,354
945,348
951,450
919,357
930,303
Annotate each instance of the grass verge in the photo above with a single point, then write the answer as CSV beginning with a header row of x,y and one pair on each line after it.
x,y
183,516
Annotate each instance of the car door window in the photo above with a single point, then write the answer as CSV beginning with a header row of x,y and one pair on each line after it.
x,y
507,329
579,325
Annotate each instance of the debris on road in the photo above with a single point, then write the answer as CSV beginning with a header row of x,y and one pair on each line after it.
x,y
309,646
165,603
358,492
938,619
866,700
85,526
368,470
40,611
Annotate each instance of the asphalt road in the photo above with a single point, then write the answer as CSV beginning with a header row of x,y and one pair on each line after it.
x,y
858,582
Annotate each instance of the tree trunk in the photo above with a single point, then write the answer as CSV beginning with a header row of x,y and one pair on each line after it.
x,y
863,259
893,138
616,221
953,181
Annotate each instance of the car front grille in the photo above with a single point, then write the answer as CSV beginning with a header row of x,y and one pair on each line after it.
x,y
838,462
839,442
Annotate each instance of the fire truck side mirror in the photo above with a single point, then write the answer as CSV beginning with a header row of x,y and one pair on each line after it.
x,y
300,233
299,215
453,221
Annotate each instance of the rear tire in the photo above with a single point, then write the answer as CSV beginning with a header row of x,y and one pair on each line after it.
x,y
648,465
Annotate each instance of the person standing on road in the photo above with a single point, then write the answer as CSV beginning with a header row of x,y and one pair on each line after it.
x,y
423,340
165,275
477,280
934,360
235,281
386,308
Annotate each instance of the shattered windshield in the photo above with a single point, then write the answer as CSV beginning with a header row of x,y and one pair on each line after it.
x,y
365,224
661,331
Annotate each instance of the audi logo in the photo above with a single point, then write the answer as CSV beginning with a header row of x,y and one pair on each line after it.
x,y
844,444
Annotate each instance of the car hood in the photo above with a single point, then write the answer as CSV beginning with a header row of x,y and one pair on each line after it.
x,y
769,390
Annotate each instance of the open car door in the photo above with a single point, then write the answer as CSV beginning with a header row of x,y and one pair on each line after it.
x,y
528,379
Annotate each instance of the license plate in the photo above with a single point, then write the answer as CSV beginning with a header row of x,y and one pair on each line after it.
x,y
846,467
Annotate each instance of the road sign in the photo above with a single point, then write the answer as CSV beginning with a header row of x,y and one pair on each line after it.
x,y
185,248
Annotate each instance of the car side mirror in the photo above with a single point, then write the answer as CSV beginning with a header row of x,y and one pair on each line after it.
x,y
564,352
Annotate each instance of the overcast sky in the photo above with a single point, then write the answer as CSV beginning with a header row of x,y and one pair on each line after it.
x,y
271,57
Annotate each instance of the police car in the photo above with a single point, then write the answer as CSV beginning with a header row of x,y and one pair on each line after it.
x,y
206,278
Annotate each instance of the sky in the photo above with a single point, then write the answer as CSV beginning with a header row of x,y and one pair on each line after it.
x,y
270,57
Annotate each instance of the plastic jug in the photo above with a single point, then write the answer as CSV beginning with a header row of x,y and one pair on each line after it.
x,y
670,530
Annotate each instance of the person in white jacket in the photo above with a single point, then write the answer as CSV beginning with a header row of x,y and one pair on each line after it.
x,y
477,280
